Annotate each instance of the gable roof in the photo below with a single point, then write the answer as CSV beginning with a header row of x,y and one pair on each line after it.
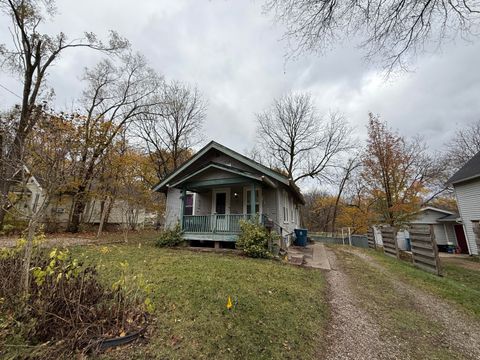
x,y
447,212
214,145
235,155
469,171
214,165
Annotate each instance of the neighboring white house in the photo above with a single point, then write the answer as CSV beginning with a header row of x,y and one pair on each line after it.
x,y
213,191
466,183
447,228
29,191
56,215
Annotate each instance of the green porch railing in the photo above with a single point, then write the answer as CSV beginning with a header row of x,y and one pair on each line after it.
x,y
216,223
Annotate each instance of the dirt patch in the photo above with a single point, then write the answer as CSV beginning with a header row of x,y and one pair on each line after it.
x,y
352,332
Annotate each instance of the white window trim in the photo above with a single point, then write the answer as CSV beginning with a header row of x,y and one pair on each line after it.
x,y
227,199
285,207
260,199
194,203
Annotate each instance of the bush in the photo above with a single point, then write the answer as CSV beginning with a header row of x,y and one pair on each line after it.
x,y
170,237
68,310
254,240
13,225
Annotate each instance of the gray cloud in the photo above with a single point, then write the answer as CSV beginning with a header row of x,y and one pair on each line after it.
x,y
234,54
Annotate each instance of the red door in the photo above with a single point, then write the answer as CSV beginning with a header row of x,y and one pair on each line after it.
x,y
461,240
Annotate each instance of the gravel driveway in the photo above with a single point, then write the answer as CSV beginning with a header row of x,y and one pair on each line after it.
x,y
354,333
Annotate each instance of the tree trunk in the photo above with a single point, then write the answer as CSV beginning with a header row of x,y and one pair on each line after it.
x,y
28,257
105,206
78,209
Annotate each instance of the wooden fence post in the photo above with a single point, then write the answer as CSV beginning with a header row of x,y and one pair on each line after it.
x,y
424,248
389,238
372,244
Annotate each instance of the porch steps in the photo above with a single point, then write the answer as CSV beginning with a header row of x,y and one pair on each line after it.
x,y
296,259
312,256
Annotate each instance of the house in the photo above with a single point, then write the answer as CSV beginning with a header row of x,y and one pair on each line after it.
x,y
28,190
447,228
217,188
466,183
31,195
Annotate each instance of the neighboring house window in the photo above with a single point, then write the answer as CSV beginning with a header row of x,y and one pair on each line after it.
x,y
248,201
189,204
285,206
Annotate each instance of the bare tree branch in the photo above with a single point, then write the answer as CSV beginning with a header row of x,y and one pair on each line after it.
x,y
298,141
392,31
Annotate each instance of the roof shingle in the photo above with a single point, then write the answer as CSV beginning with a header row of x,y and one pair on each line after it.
x,y
468,171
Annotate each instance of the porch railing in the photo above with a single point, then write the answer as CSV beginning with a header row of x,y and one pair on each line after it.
x,y
216,223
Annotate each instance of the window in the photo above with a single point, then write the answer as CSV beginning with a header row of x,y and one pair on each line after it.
x,y
249,201
285,206
292,214
189,204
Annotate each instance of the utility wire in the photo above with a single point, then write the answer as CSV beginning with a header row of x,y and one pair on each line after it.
x,y
10,91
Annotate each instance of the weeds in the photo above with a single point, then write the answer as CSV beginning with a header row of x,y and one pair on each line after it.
x,y
68,310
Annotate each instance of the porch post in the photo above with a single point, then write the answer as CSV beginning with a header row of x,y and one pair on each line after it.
x,y
252,200
182,206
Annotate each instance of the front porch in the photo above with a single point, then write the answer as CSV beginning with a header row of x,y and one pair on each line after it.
x,y
217,197
216,227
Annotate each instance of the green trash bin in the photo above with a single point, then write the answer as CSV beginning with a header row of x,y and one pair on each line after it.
x,y
300,237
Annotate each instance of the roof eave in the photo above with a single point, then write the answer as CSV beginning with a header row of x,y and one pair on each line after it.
x,y
456,182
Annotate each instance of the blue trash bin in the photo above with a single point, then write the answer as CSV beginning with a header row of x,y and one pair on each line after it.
x,y
300,237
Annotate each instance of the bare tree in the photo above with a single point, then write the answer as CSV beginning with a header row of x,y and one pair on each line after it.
x,y
393,31
31,55
343,177
463,145
173,127
298,141
116,95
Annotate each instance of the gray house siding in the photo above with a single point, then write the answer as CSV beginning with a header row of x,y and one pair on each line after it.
x,y
468,200
172,213
440,234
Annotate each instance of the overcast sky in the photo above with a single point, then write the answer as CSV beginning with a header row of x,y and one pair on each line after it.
x,y
234,54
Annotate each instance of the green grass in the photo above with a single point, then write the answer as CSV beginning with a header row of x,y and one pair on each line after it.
x,y
281,310
417,335
458,285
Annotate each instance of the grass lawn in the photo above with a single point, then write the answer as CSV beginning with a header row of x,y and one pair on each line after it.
x,y
458,285
417,335
281,310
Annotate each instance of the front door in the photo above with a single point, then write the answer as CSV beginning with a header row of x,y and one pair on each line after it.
x,y
461,240
220,210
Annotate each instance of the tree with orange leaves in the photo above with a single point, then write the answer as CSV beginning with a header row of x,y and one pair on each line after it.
x,y
396,172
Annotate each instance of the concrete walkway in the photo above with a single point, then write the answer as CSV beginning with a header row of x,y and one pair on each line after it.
x,y
313,256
